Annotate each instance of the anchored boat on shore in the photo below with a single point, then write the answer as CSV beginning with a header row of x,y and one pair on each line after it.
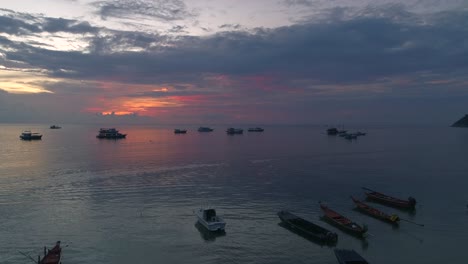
x,y
307,228
364,208
342,222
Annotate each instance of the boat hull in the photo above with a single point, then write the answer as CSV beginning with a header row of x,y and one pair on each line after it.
x,y
112,137
52,256
214,226
368,210
343,223
307,229
392,201
31,137
349,256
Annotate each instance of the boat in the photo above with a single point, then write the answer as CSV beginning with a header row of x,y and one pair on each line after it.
x,y
28,135
362,207
332,131
232,131
359,133
55,127
208,218
51,256
256,129
110,133
307,228
349,257
342,222
350,136
391,201
180,131
205,129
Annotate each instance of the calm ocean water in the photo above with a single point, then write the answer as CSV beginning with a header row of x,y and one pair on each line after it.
x,y
132,200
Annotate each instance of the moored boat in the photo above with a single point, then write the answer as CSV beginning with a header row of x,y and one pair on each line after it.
x,y
180,131
350,136
205,129
208,218
362,207
55,127
110,133
232,131
349,257
307,228
28,135
256,129
51,256
332,131
391,201
342,222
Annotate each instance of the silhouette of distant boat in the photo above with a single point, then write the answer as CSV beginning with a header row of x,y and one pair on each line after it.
x,y
180,131
55,127
28,135
256,129
232,131
332,131
110,133
205,129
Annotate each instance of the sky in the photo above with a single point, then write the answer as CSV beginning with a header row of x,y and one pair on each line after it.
x,y
233,62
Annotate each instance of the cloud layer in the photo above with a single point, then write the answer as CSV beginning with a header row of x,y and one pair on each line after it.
x,y
288,74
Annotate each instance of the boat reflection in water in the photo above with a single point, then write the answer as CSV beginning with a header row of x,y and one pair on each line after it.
x,y
209,236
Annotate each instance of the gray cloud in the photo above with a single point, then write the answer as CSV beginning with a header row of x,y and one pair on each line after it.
x,y
16,23
391,52
158,9
352,50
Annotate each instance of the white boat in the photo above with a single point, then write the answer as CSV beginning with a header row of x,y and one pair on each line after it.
x,y
209,219
110,133
28,135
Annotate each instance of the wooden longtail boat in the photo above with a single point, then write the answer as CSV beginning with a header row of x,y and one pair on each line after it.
x,y
390,201
51,256
342,222
362,207
307,228
349,257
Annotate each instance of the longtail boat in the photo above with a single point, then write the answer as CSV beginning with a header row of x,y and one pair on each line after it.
x,y
390,201
307,228
51,256
362,207
349,257
342,222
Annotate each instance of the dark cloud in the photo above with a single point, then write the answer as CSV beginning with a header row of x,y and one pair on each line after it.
x,y
21,24
360,49
158,9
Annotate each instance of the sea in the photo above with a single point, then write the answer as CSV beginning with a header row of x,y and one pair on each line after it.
x,y
133,200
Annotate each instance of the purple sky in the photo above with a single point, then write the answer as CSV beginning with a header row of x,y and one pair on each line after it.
x,y
242,62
